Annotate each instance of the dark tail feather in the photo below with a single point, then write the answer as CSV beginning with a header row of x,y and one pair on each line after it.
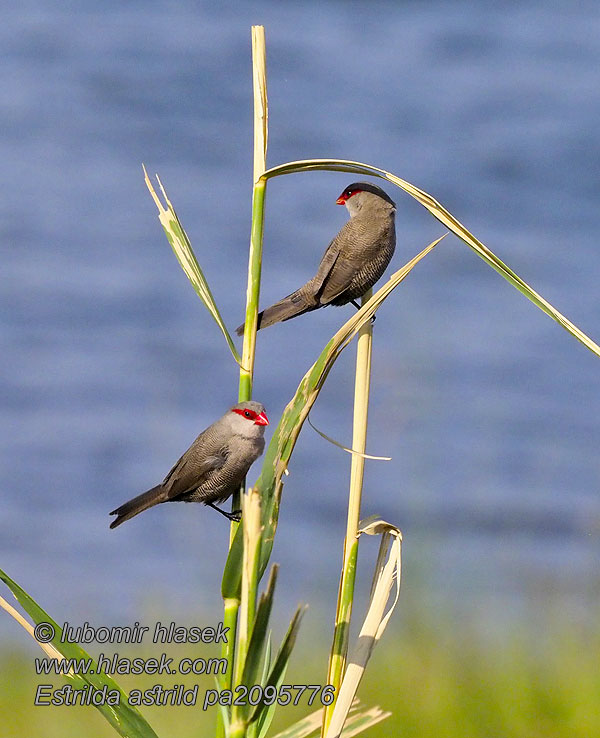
x,y
137,505
285,309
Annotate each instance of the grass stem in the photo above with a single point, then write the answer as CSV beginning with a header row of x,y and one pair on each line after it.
x,y
341,634
259,76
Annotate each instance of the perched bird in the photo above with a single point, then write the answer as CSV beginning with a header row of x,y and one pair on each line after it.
x,y
212,468
353,261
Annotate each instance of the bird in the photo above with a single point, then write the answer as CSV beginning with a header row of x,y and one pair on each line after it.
x,y
212,468
352,263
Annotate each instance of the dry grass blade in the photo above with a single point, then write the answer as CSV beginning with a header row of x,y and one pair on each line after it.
x,y
49,649
359,720
376,620
305,728
362,720
182,248
449,221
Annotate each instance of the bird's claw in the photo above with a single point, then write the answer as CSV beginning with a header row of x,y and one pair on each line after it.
x,y
235,515
358,307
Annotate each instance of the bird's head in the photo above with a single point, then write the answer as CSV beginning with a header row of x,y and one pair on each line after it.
x,y
364,195
248,419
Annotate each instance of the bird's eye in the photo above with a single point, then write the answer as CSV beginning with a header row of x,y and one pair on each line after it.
x,y
247,414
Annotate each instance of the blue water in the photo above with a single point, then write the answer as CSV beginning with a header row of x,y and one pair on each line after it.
x,y
111,366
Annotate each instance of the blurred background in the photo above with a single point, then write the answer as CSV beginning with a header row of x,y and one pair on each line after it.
x,y
111,365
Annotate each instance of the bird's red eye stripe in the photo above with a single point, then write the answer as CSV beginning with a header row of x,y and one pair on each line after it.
x,y
346,195
250,414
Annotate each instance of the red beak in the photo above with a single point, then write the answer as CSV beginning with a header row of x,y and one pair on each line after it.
x,y
340,201
261,419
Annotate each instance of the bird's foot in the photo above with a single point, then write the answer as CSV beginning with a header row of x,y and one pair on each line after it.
x,y
358,307
235,515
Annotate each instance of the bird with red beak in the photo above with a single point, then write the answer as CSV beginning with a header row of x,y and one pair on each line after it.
x,y
355,259
212,468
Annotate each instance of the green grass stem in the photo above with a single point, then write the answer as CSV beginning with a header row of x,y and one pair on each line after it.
x,y
259,74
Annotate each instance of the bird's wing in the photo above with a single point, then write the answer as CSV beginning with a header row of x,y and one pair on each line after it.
x,y
336,270
222,482
194,467
327,263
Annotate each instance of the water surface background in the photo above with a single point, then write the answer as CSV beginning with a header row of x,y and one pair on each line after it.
x,y
111,366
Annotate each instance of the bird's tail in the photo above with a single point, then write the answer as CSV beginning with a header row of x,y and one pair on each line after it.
x,y
137,505
291,306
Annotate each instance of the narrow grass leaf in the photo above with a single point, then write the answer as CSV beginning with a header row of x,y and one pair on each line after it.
x,y
281,661
126,720
223,711
449,221
258,640
182,248
263,723
284,438
266,661
255,652
257,728
340,445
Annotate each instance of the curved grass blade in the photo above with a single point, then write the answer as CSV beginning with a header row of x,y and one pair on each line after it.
x,y
182,248
344,448
126,720
284,438
449,221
